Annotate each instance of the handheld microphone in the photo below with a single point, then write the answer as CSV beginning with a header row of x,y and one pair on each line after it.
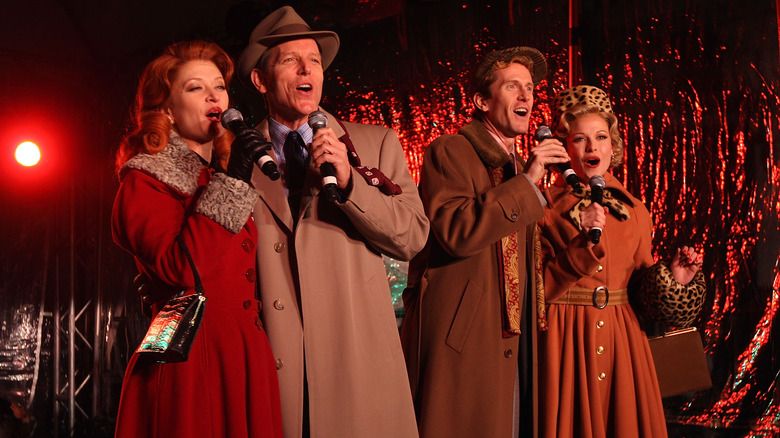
x,y
317,120
233,121
597,184
542,133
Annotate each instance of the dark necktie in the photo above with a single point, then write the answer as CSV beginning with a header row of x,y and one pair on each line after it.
x,y
295,173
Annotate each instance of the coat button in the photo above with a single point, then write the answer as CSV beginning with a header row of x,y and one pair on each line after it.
x,y
247,304
508,353
248,245
602,376
279,246
279,304
600,324
279,364
600,350
250,275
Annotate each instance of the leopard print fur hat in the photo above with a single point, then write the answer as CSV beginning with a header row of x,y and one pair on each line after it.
x,y
581,94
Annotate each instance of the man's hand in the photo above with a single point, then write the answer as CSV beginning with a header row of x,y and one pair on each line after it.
x,y
549,151
326,148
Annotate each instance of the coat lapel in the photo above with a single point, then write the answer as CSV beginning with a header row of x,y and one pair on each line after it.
x,y
272,192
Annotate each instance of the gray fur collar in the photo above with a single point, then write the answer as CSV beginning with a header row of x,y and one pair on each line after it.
x,y
176,165
485,144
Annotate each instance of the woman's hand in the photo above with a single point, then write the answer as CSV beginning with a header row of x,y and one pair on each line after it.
x,y
685,263
593,216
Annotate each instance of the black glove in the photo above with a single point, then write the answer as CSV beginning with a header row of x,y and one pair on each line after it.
x,y
247,148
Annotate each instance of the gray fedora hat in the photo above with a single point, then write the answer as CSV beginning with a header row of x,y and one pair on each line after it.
x,y
281,25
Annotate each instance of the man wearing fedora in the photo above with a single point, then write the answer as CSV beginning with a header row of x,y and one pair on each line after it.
x,y
470,302
327,306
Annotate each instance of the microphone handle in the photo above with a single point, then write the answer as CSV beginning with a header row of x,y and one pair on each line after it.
x,y
329,181
265,162
268,166
596,195
594,235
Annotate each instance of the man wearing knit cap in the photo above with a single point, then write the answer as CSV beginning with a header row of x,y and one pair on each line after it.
x,y
470,317
327,306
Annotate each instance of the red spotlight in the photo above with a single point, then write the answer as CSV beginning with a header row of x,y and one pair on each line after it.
x,y
28,154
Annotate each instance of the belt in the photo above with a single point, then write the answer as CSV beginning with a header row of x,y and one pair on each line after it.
x,y
599,297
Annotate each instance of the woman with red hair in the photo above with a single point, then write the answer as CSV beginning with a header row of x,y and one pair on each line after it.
x,y
180,182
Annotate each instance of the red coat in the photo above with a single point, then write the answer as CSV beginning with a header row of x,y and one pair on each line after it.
x,y
228,386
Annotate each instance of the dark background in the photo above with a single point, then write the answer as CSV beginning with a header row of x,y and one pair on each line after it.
x,y
695,84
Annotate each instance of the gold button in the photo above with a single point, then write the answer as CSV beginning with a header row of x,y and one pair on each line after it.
x,y
279,246
600,268
602,376
508,352
600,350
279,304
279,364
600,324
248,245
250,275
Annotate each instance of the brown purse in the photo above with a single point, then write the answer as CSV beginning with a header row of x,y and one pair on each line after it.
x,y
680,363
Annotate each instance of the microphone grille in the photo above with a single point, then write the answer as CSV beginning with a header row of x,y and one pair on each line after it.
x,y
542,133
231,115
597,181
317,120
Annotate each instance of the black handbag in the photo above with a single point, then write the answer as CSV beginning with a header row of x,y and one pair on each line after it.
x,y
173,329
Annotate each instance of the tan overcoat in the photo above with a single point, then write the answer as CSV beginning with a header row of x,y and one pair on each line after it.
x,y
462,370
336,313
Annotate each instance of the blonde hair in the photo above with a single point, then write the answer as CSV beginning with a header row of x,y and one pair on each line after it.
x,y
577,111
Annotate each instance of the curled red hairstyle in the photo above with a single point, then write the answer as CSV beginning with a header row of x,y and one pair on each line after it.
x,y
149,127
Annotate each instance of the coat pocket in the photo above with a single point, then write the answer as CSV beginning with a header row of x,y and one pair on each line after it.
x,y
464,316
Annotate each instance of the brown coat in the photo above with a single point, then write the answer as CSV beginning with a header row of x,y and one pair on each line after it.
x,y
357,383
596,369
462,370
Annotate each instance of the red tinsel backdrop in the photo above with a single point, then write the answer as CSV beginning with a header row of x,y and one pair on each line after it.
x,y
695,84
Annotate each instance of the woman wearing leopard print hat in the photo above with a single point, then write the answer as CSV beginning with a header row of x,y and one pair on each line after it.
x,y
597,374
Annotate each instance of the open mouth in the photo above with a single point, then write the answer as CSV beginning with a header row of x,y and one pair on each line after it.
x,y
522,112
592,162
305,87
214,114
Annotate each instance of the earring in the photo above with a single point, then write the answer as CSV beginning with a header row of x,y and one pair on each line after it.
x,y
171,120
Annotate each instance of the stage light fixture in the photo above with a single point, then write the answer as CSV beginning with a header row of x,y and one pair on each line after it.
x,y
28,154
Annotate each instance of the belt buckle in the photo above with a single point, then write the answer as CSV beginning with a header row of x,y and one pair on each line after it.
x,y
596,296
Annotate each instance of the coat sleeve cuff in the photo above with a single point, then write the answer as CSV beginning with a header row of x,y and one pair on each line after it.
x,y
670,302
227,201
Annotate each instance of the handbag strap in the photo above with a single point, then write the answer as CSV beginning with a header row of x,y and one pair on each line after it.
x,y
198,285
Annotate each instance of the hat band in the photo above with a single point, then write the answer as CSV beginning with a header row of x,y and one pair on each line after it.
x,y
290,29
